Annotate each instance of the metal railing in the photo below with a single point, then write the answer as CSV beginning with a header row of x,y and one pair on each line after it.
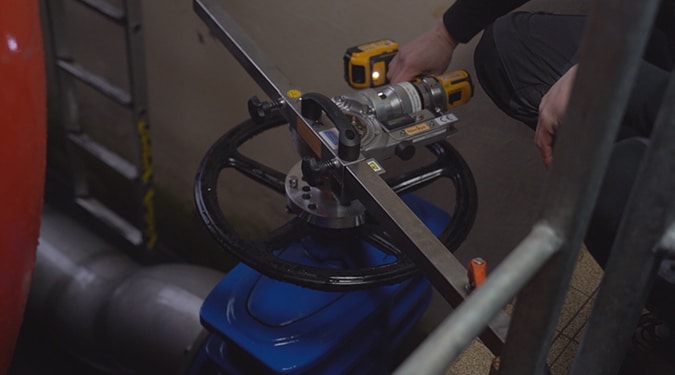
x,y
539,269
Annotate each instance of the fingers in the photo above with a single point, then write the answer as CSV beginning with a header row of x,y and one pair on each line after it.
x,y
543,139
412,60
429,53
545,133
398,72
551,111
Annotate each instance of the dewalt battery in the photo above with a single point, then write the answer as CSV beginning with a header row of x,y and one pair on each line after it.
x,y
366,65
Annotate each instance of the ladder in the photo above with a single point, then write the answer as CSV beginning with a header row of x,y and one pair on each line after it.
x,y
131,213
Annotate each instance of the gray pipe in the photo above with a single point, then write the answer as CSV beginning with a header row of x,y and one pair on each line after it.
x,y
107,310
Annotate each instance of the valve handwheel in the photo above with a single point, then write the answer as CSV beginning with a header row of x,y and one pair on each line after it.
x,y
283,254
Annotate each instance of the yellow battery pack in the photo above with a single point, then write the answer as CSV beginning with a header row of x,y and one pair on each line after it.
x,y
366,65
457,86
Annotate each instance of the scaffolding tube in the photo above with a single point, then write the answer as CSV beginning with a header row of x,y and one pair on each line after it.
x,y
610,53
469,319
616,34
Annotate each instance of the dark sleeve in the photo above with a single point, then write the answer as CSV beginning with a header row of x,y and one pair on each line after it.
x,y
466,18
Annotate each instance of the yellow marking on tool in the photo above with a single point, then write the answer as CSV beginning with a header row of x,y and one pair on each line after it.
x,y
293,93
418,128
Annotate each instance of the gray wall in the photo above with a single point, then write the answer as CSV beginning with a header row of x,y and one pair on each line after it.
x,y
197,91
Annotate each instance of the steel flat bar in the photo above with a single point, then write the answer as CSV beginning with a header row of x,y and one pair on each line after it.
x,y
243,48
444,271
445,344
634,260
616,34
249,55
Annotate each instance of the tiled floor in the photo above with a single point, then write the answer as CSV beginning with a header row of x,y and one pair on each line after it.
x,y
477,359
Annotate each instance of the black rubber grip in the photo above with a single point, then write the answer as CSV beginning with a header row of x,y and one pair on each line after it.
x,y
349,140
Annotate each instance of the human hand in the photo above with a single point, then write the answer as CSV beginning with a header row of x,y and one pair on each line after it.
x,y
551,110
429,53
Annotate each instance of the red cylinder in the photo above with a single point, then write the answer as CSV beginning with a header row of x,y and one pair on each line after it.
x,y
22,160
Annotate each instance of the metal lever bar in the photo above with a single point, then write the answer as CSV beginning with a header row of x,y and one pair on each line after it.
x,y
444,271
243,48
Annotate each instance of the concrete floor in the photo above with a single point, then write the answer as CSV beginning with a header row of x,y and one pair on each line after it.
x,y
197,91
477,359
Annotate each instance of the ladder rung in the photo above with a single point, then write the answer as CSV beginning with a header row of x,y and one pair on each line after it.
x,y
96,81
105,8
111,159
107,216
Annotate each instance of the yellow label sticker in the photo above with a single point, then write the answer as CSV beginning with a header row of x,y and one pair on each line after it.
x,y
375,166
293,93
416,129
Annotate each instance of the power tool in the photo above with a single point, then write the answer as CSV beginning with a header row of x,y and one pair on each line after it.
x,y
366,66
392,119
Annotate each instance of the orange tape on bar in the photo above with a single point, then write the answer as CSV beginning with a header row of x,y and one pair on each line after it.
x,y
477,272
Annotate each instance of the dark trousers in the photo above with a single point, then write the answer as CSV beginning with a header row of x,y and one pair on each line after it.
x,y
522,54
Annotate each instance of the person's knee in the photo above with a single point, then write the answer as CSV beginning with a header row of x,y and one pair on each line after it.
x,y
510,35
486,50
492,75
485,60
489,72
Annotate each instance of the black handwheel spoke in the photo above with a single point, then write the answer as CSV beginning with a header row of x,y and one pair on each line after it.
x,y
225,154
382,241
448,164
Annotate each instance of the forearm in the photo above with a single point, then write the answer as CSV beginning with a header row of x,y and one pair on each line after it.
x,y
466,18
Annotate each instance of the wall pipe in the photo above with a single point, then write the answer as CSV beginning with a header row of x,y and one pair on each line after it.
x,y
109,311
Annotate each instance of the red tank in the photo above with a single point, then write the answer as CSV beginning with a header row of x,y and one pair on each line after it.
x,y
22,160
